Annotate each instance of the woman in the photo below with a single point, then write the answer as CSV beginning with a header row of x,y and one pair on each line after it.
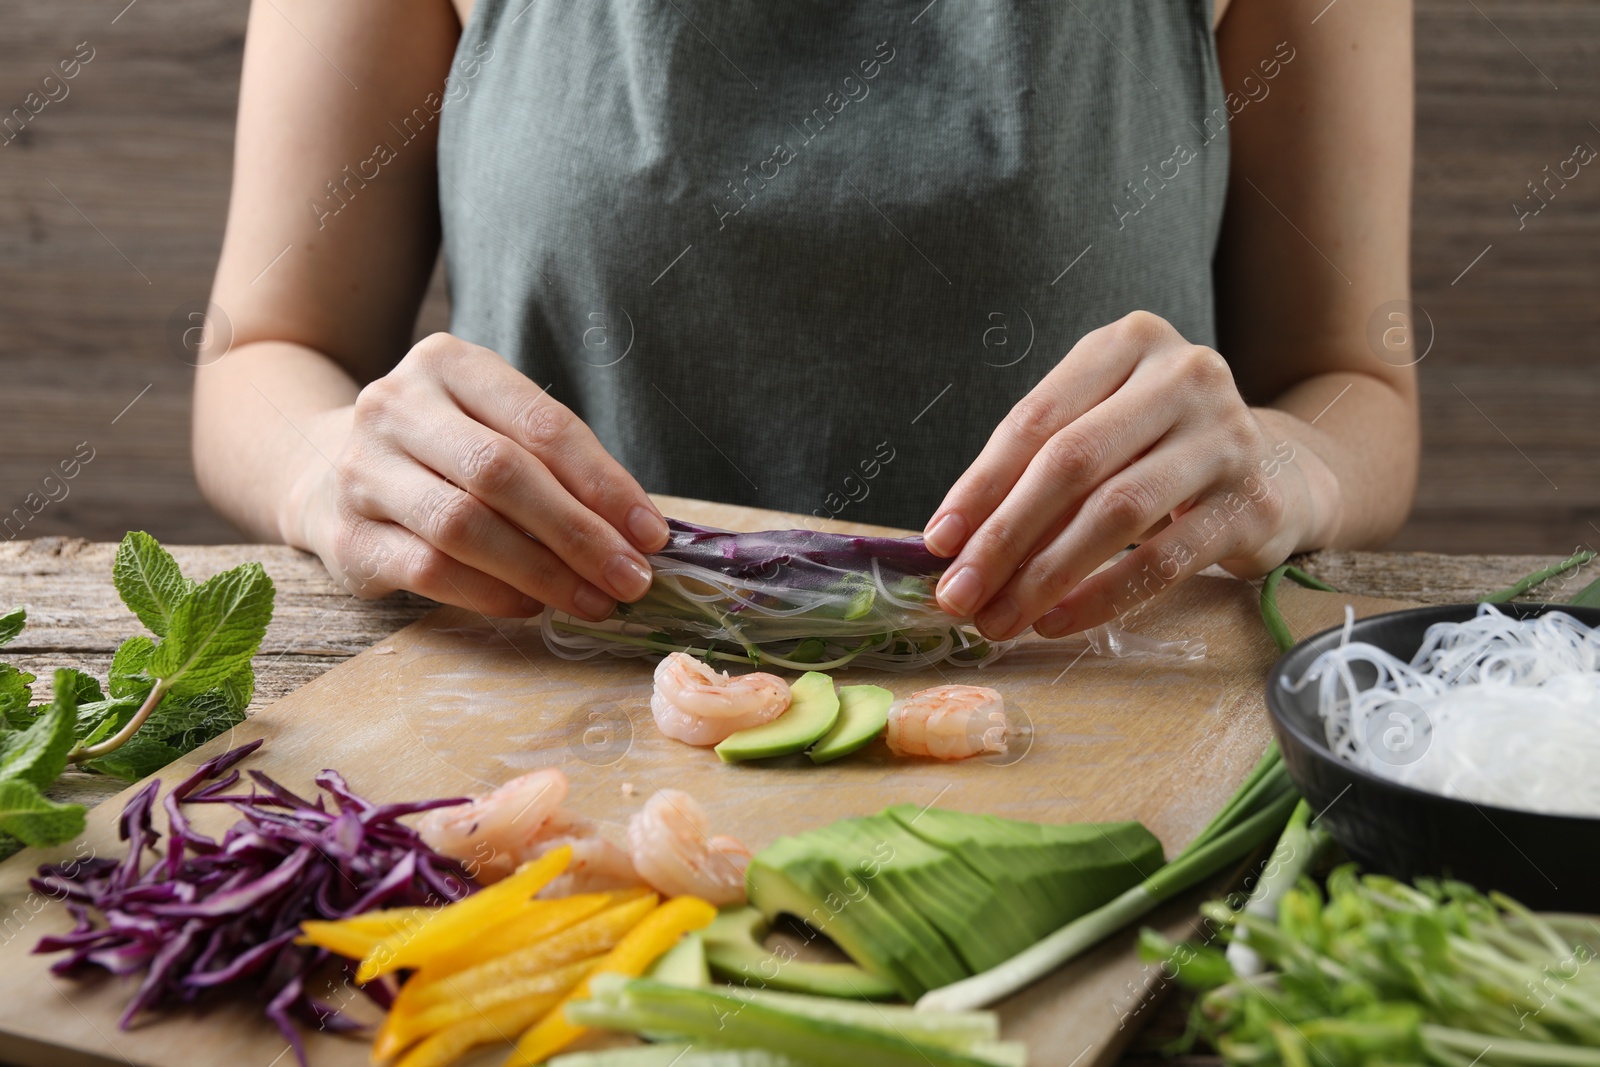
x,y
966,265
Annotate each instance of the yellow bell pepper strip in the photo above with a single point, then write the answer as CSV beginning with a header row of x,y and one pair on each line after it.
x,y
641,947
547,988
597,934
465,919
337,938
537,921
493,1025
434,980
389,921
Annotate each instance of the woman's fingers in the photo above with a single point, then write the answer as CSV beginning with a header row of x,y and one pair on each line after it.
x,y
1093,370
379,557
457,524
1215,529
495,394
498,474
1062,473
1122,508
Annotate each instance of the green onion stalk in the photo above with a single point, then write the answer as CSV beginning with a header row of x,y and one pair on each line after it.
x,y
1590,596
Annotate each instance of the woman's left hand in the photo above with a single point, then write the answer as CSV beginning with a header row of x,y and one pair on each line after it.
x,y
1136,436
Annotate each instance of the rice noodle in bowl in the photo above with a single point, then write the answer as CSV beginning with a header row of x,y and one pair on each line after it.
x,y
1494,710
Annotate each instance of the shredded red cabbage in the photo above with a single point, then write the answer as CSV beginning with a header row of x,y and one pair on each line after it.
x,y
224,914
769,553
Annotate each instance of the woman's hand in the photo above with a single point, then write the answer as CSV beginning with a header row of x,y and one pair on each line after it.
x,y
1137,435
451,461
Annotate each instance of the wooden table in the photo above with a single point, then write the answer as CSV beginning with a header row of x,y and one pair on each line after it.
x,y
76,619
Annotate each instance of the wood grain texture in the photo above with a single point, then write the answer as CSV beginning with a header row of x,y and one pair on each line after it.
x,y
142,147
1109,739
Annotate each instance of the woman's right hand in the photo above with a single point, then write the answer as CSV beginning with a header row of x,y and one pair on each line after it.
x,y
463,481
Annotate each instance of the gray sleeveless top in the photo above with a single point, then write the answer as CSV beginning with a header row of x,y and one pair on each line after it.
x,y
806,254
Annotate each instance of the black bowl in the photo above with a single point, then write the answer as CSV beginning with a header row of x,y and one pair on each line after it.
x,y
1549,862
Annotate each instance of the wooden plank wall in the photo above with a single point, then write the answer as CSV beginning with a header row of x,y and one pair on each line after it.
x,y
112,202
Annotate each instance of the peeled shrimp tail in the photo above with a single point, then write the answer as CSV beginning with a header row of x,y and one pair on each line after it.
x,y
671,850
492,830
948,722
697,705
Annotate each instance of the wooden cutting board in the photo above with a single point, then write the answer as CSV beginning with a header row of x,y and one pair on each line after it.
x,y
456,703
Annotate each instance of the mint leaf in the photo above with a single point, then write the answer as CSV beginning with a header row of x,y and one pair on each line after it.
x,y
239,688
148,579
33,818
214,631
16,696
85,690
38,754
11,624
141,755
175,726
129,667
99,720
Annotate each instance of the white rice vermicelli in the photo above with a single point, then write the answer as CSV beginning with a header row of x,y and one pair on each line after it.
x,y
1494,710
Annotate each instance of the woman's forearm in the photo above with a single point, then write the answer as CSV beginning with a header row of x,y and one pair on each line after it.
x,y
1355,441
269,417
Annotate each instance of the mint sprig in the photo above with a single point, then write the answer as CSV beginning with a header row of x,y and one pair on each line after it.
x,y
163,697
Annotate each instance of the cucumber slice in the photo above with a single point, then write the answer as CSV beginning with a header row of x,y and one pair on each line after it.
x,y
813,709
863,713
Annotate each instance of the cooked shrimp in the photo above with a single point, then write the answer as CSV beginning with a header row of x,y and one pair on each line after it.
x,y
597,863
672,852
700,706
948,722
491,833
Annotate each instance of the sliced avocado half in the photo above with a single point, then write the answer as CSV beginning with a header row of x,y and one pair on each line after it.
x,y
863,713
734,950
813,709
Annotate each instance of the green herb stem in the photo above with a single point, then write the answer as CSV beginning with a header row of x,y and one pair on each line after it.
x,y
1538,578
1271,615
123,736
1510,1051
1297,849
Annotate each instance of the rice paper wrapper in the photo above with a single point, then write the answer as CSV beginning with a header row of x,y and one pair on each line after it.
x,y
797,598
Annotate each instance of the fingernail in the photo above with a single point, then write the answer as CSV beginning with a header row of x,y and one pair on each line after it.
x,y
627,577
998,618
961,592
591,603
530,607
1054,623
944,537
648,529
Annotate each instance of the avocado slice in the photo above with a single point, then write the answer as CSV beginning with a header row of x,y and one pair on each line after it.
x,y
734,949
684,964
826,879
813,709
1053,872
863,713
925,896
